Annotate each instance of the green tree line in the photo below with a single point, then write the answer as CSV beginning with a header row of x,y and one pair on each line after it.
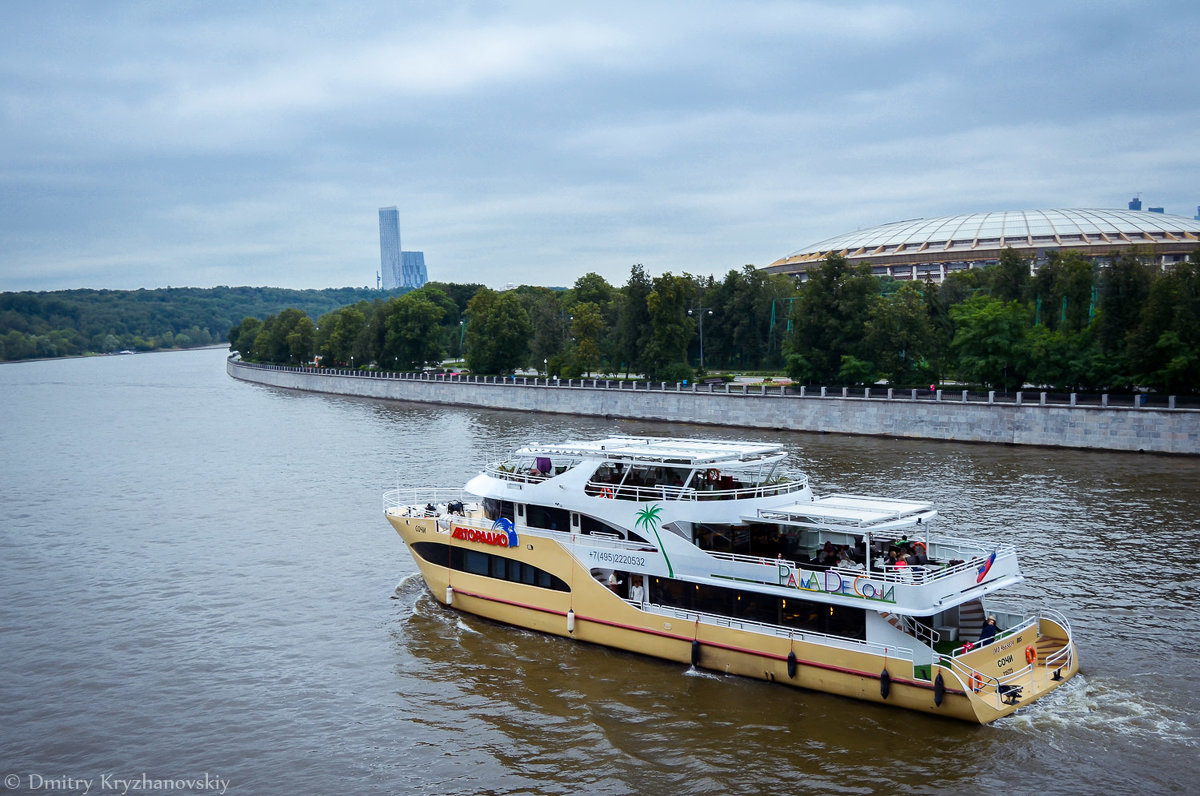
x,y
74,322
1075,325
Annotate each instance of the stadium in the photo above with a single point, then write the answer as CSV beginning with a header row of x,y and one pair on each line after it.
x,y
931,248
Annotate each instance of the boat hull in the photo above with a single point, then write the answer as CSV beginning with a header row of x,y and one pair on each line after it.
x,y
589,611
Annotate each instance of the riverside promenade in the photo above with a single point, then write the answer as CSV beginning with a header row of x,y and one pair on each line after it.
x,y
1031,419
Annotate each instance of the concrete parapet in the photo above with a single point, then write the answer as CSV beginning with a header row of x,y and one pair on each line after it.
x,y
1120,428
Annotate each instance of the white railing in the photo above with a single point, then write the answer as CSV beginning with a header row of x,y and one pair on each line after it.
x,y
909,576
419,497
670,492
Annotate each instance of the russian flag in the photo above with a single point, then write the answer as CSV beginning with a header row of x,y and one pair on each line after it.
x,y
987,565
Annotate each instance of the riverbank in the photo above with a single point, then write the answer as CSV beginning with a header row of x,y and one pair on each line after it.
x,y
1031,420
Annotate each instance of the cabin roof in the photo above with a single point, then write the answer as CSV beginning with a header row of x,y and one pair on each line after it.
x,y
853,511
666,450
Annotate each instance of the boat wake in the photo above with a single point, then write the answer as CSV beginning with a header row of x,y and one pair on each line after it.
x,y
1106,706
410,586
692,671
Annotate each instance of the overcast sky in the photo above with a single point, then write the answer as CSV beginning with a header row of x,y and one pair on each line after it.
x,y
158,143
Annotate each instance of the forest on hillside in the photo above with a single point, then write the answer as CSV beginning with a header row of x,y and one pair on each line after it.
x,y
75,322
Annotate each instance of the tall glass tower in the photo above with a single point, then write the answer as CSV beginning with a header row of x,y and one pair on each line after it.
x,y
389,247
412,267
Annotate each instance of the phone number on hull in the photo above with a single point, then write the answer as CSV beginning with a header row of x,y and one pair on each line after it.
x,y
605,557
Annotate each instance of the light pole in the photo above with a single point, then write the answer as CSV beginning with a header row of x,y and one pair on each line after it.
x,y
700,312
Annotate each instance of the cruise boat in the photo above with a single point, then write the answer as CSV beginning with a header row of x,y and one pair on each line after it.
x,y
714,554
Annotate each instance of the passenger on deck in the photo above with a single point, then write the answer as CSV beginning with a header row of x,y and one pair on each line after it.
x,y
989,631
637,592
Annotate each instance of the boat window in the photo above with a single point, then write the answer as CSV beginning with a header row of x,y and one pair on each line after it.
x,y
549,517
592,525
495,509
488,565
756,607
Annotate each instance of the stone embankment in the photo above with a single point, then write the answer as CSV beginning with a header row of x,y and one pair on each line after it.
x,y
1030,420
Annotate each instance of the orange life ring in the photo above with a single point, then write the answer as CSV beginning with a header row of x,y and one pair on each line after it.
x,y
606,492
1030,654
977,682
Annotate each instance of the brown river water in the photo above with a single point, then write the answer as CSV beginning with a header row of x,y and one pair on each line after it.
x,y
196,580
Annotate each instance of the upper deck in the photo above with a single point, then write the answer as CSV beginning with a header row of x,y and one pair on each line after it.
x,y
664,450
644,469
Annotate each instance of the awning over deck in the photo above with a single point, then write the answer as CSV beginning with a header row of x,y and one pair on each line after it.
x,y
851,512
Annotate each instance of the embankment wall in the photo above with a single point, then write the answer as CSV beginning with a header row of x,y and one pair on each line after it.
x,y
1119,428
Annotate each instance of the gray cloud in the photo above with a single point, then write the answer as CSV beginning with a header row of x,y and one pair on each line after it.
x,y
148,144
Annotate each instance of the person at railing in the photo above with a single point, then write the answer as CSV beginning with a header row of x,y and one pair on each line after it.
x,y
637,592
988,634
846,562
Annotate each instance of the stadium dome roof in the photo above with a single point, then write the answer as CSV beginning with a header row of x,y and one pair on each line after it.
x,y
980,237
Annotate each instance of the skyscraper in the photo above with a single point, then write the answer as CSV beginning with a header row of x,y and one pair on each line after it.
x,y
397,268
389,247
412,268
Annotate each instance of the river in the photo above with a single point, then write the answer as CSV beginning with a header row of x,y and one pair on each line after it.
x,y
196,579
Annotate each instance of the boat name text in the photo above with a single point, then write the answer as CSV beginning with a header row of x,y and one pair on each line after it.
x,y
497,538
861,586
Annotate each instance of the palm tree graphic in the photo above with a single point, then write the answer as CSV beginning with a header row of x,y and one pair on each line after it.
x,y
648,518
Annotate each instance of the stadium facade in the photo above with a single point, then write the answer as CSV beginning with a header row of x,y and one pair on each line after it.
x,y
931,248
397,268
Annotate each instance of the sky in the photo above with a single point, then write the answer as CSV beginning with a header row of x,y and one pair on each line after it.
x,y
147,144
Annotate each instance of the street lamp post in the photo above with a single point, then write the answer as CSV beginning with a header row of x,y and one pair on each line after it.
x,y
700,312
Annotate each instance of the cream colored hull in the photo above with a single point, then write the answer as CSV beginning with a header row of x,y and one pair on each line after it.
x,y
600,617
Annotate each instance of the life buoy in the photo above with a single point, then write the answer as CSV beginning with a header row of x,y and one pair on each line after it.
x,y
1030,654
921,545
712,475
977,682
606,491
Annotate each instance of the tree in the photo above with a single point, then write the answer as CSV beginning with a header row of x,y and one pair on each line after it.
x,y
633,320
829,319
498,331
670,326
1010,276
288,338
899,333
587,327
242,336
1161,351
1063,291
1124,289
989,340
412,337
338,333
